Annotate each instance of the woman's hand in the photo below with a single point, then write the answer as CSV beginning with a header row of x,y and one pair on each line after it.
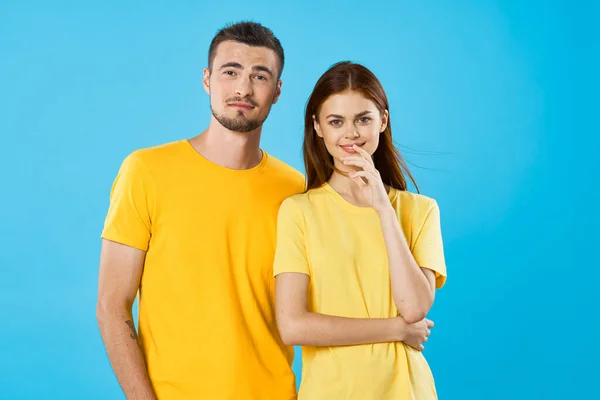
x,y
416,334
372,191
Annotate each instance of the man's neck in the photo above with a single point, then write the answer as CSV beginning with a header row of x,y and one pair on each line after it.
x,y
227,148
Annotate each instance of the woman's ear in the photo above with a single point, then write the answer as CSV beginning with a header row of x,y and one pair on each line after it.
x,y
317,126
384,120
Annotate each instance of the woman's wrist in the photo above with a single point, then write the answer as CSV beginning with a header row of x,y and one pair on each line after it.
x,y
386,211
398,329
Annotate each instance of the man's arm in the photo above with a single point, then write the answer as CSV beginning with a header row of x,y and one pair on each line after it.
x,y
120,272
298,326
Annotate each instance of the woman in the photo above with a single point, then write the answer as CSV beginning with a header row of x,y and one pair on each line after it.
x,y
358,257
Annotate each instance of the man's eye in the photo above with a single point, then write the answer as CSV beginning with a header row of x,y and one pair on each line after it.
x,y
261,77
230,73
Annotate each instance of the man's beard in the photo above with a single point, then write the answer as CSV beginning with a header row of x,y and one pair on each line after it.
x,y
239,124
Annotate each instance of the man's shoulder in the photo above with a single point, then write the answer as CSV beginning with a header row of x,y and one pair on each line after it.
x,y
153,154
285,173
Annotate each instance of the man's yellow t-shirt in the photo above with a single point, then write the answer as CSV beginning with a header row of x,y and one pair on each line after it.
x,y
341,247
206,321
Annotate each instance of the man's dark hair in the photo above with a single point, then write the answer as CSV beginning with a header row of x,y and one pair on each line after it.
x,y
249,33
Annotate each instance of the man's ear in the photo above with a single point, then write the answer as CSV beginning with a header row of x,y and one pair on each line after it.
x,y
206,80
277,91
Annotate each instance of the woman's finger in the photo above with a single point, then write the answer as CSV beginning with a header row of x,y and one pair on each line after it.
x,y
363,153
369,176
355,157
359,182
360,162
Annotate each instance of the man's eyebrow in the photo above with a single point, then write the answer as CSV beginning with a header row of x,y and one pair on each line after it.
x,y
262,68
236,65
232,64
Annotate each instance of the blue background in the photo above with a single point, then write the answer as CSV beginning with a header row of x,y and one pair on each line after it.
x,y
492,103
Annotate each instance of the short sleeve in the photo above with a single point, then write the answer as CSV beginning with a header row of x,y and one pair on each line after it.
x,y
128,219
290,252
428,249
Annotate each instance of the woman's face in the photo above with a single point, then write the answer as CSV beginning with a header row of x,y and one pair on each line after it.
x,y
346,119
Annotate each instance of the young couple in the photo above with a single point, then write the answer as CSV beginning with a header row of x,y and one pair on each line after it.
x,y
200,227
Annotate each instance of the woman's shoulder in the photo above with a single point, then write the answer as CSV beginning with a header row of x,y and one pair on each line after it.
x,y
307,196
414,201
303,201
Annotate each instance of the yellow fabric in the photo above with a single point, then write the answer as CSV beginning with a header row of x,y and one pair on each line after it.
x,y
206,320
341,247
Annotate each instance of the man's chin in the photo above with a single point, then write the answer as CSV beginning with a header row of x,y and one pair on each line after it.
x,y
241,125
237,121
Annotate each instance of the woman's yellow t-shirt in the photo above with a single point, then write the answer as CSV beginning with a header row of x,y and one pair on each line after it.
x,y
341,247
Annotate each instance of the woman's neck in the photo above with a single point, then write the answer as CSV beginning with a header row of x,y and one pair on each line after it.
x,y
344,185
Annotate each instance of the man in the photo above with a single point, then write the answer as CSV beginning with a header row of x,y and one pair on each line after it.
x,y
192,224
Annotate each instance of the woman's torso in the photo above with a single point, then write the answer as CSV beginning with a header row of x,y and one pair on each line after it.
x,y
349,277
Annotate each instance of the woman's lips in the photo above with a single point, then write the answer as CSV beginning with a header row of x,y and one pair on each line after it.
x,y
348,148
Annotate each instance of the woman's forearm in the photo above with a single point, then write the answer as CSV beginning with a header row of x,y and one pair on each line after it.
x,y
411,290
314,329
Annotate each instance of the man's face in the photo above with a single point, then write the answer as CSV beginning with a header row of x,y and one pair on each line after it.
x,y
242,84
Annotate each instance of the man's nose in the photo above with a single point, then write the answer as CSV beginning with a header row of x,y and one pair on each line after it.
x,y
243,87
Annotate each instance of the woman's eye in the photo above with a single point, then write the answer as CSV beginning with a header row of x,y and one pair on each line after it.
x,y
335,122
364,120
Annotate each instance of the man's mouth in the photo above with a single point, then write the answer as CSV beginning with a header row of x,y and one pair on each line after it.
x,y
241,105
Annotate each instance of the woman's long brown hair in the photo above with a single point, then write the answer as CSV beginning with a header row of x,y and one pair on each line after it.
x,y
318,162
